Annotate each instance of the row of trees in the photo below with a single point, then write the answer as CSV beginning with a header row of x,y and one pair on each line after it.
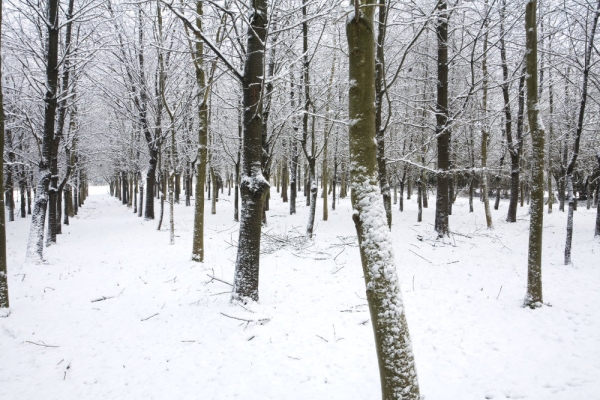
x,y
152,95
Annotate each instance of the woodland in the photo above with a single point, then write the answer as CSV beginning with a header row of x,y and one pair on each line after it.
x,y
157,151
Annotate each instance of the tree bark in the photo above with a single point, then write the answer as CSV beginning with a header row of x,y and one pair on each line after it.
x,y
392,340
379,93
442,130
4,301
253,185
597,230
294,155
198,236
485,129
578,132
533,297
35,244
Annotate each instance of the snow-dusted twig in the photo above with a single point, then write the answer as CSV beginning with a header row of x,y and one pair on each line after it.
x,y
212,277
420,256
322,338
66,369
260,321
40,344
461,234
102,298
146,319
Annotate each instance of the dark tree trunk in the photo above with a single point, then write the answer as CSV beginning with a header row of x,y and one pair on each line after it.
x,y
597,230
23,189
36,234
4,303
516,149
442,130
294,155
578,132
380,130
253,185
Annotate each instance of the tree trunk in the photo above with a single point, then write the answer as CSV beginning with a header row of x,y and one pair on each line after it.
x,y
162,193
442,131
380,130
485,131
534,298
294,156
401,205
36,234
197,56
597,230
213,184
420,201
313,197
284,181
516,150
578,132
392,339
171,209
23,189
253,185
550,141
141,196
68,204
4,303
135,193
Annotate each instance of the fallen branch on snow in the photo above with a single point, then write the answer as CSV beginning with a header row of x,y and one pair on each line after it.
x,y
214,278
102,298
40,344
260,321
153,315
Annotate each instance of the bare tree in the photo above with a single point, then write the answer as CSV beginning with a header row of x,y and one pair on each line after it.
x,y
392,340
534,298
4,303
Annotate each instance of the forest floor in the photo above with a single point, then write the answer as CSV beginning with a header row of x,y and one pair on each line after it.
x,y
115,312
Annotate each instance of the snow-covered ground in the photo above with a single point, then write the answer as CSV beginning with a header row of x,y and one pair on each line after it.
x,y
167,331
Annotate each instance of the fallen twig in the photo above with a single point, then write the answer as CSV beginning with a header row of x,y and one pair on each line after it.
x,y
40,344
420,256
153,315
102,298
339,269
260,321
322,338
499,292
461,234
212,277
66,369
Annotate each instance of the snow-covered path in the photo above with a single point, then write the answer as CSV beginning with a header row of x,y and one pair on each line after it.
x,y
161,332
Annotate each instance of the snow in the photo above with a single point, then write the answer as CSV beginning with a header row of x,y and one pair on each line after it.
x,y
161,333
